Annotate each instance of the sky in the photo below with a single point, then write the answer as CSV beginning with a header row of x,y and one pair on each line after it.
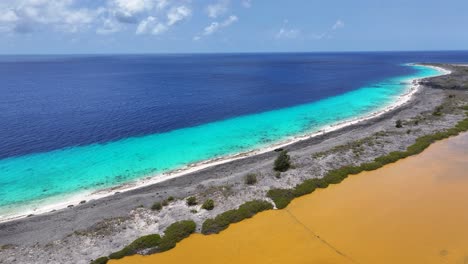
x,y
192,26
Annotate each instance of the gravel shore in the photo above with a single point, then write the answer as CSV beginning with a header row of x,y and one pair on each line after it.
x,y
98,227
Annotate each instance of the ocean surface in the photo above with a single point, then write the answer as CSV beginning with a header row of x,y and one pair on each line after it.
x,y
77,124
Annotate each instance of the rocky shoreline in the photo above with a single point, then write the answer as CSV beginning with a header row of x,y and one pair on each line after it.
x,y
99,227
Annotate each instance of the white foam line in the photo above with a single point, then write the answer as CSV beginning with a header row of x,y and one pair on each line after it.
x,y
76,198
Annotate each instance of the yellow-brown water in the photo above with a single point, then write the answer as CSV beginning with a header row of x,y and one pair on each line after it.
x,y
414,211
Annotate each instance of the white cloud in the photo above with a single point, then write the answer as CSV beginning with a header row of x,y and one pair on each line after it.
x,y
177,14
217,26
145,24
150,25
159,28
338,24
285,33
23,16
8,16
217,9
138,6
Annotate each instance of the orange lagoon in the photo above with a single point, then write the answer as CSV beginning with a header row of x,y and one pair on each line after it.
x,y
414,211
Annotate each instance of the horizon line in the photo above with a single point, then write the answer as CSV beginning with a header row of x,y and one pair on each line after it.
x,y
227,52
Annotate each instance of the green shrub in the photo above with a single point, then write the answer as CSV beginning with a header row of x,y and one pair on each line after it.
x,y
144,242
281,197
250,179
101,260
170,198
222,221
191,201
120,254
398,124
156,206
308,186
164,203
208,205
370,166
175,233
282,162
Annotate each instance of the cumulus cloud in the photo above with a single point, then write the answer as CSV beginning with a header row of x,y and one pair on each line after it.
x,y
24,16
177,14
217,26
151,16
152,26
106,16
217,9
131,11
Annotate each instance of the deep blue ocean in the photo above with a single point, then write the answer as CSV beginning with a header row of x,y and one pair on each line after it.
x,y
71,124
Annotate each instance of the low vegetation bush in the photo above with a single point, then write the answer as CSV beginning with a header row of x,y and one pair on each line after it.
x,y
170,198
175,233
144,242
191,201
250,179
282,197
208,205
222,221
156,206
398,124
282,162
101,260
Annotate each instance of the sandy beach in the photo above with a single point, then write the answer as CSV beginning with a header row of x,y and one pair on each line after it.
x,y
110,219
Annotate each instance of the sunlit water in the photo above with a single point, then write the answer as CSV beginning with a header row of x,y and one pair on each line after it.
x,y
413,211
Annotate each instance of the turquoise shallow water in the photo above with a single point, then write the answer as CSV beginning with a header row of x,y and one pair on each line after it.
x,y
45,177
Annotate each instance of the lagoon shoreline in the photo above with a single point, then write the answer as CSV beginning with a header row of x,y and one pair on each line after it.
x,y
55,232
